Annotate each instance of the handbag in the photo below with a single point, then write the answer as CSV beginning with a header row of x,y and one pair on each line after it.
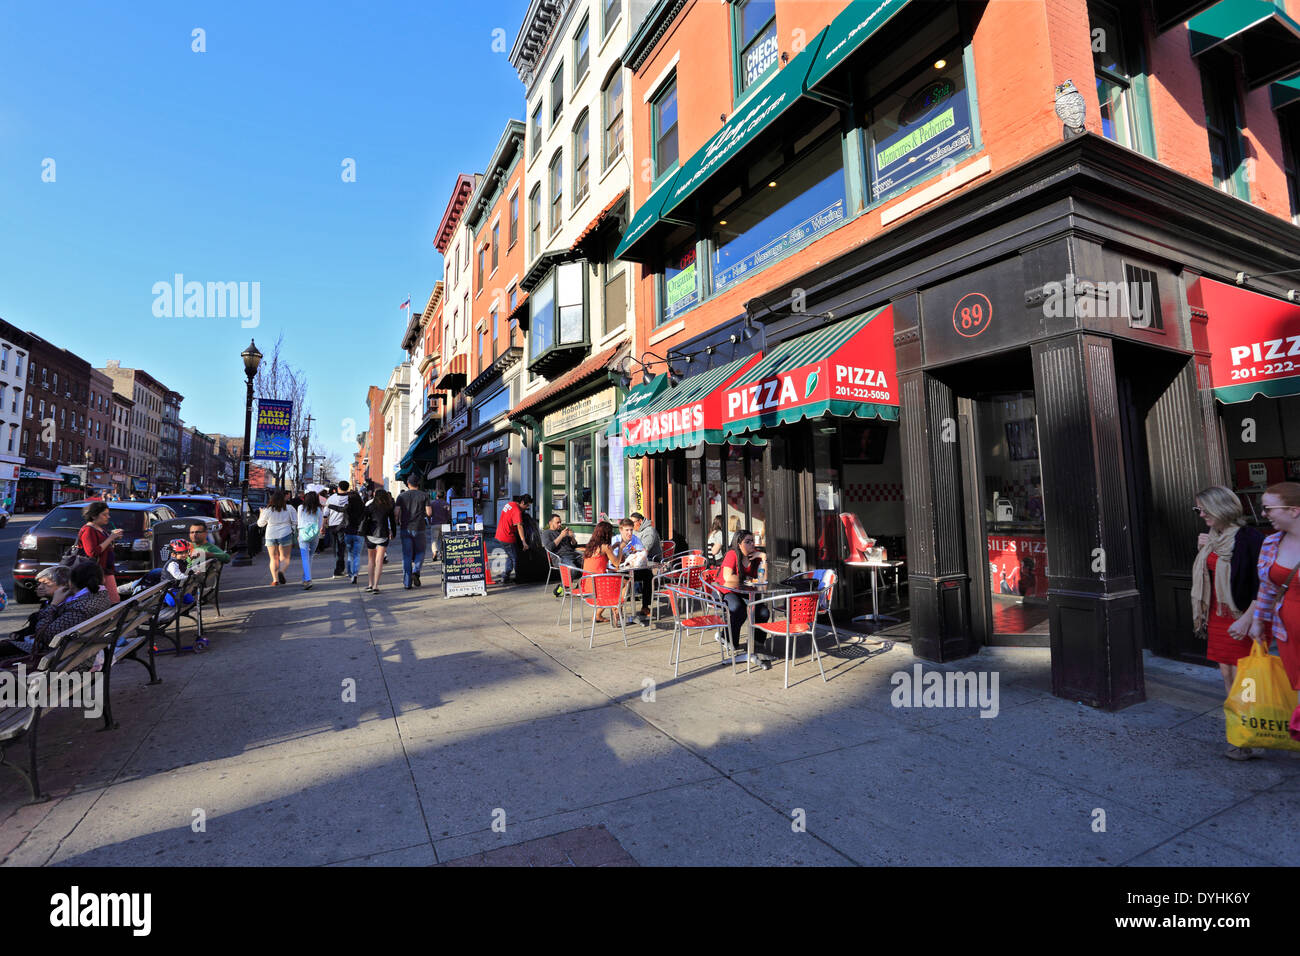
x,y
74,553
1260,709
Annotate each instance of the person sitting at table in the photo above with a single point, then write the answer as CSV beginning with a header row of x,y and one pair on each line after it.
x,y
632,553
598,557
716,539
741,565
559,540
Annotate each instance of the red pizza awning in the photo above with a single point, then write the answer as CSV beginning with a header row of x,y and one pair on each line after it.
x,y
848,368
686,414
1253,340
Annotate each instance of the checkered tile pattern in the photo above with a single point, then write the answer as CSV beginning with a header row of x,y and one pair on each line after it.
x,y
873,491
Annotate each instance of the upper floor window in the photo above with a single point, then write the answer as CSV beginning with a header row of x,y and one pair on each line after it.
x,y
514,217
1223,127
534,222
482,257
18,364
581,51
4,359
581,157
537,130
557,189
1121,88
612,101
496,245
56,381
610,16
663,121
1290,130
557,94
754,23
493,322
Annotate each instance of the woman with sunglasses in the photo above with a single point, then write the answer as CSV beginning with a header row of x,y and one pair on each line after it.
x,y
1277,606
1224,582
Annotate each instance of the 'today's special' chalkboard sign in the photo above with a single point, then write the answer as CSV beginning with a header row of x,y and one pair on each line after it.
x,y
464,564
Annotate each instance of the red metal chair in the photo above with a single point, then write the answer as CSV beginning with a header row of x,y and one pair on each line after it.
x,y
799,618
669,548
826,581
603,592
659,586
570,592
711,617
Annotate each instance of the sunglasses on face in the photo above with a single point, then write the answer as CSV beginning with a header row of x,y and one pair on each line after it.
x,y
1267,508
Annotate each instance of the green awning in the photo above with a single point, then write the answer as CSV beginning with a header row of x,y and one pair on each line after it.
x,y
685,415
773,98
636,401
848,368
422,448
846,34
647,215
1266,39
1284,92
1171,13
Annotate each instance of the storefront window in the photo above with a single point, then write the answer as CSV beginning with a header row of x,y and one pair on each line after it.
x,y
795,206
922,122
681,281
757,499
558,479
713,489
486,409
582,483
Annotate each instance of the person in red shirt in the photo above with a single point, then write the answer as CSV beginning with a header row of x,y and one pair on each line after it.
x,y
510,532
97,542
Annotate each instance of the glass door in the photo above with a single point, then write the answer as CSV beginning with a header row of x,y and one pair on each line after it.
x,y
1013,514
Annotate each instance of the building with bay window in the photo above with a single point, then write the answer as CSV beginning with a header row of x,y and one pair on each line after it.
x,y
978,284
578,316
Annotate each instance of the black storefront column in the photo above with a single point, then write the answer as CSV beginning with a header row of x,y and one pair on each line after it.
x,y
938,584
1093,602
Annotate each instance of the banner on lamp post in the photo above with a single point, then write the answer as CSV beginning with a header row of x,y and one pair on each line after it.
x,y
273,421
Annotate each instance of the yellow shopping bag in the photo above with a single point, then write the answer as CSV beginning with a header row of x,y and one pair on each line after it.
x,y
1259,708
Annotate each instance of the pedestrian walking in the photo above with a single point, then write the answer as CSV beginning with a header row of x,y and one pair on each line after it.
x,y
310,517
279,522
1225,580
1277,604
96,541
336,508
413,512
510,532
379,528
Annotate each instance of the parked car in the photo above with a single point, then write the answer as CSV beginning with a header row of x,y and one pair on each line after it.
x,y
45,544
234,527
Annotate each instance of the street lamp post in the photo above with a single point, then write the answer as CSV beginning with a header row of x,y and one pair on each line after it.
x,y
252,358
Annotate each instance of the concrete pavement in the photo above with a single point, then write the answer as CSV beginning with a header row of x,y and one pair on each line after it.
x,y
477,725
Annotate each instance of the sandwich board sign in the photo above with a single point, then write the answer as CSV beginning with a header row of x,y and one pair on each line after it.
x,y
464,564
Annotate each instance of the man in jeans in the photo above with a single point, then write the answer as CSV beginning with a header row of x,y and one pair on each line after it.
x,y
510,532
336,504
413,511
354,511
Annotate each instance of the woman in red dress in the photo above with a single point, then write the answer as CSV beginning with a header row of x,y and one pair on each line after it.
x,y
1277,608
1224,581
97,542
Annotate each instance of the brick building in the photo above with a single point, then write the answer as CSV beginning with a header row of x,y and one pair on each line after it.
x,y
978,281
54,426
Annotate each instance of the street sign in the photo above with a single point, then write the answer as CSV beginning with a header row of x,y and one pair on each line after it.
x,y
464,564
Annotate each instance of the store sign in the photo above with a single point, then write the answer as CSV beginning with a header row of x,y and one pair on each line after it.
x,y
492,447
617,474
586,410
28,473
934,124
683,289
11,471
863,369
1018,565
806,231
457,423
1254,339
273,424
677,421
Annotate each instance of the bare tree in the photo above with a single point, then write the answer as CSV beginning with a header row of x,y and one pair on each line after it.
x,y
278,379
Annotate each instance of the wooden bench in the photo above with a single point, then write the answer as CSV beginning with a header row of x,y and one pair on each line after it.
x,y
140,629
70,652
180,609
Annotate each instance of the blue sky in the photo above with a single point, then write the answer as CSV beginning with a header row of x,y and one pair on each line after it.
x,y
226,166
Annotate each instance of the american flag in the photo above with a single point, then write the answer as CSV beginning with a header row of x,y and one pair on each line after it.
x,y
405,303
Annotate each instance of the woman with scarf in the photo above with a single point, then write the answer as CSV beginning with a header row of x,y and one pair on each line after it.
x,y
1224,584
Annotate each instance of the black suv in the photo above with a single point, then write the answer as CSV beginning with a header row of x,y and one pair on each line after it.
x,y
44,545
234,527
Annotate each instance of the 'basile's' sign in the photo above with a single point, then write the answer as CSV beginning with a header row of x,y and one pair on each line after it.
x,y
665,424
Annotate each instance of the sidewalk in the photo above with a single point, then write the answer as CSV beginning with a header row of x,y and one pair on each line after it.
x,y
478,726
